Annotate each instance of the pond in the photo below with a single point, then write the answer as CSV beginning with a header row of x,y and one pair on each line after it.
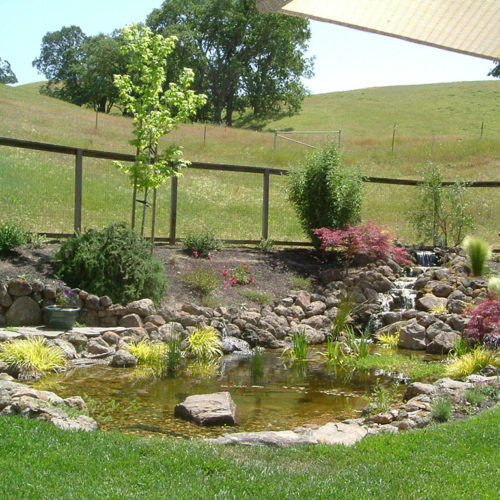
x,y
270,394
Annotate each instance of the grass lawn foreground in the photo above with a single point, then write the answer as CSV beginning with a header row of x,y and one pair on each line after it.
x,y
458,460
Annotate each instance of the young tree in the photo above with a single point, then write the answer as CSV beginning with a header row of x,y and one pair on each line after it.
x,y
157,108
6,73
241,57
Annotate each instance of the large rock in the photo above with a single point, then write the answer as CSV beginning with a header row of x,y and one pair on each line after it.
x,y
123,359
5,298
208,409
412,336
279,439
19,287
24,312
131,321
453,389
340,433
233,344
430,302
143,307
417,389
443,343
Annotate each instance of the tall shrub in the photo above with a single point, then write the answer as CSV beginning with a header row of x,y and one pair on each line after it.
x,y
115,262
324,193
441,213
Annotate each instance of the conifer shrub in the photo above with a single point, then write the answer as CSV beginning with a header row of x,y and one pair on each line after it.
x,y
325,193
113,261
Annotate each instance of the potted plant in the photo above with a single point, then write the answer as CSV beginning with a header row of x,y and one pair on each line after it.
x,y
64,313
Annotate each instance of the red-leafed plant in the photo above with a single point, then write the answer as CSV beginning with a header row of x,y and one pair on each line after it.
x,y
362,239
484,324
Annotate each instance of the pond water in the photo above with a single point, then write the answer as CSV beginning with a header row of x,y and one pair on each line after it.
x,y
270,394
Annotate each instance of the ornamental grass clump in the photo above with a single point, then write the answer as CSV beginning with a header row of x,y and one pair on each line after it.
x,y
478,252
150,355
204,344
472,362
32,355
388,340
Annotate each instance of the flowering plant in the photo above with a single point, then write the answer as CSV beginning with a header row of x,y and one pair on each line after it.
x,y
65,296
240,275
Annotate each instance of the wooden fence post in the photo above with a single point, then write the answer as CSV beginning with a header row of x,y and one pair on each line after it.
x,y
265,206
77,226
275,139
393,136
173,210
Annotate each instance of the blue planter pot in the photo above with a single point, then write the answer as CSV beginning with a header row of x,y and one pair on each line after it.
x,y
62,317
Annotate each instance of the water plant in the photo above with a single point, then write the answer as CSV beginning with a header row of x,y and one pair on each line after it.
x,y
298,351
384,397
204,344
472,362
174,356
200,245
344,309
388,340
478,251
150,355
441,410
257,366
32,355
334,354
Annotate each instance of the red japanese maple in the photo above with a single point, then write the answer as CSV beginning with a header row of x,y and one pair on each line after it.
x,y
484,324
363,239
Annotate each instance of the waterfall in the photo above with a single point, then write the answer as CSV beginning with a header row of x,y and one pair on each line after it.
x,y
426,258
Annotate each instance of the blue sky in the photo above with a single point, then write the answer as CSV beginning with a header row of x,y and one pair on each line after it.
x,y
345,58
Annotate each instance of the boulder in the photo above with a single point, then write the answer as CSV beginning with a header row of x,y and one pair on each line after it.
x,y
315,308
142,307
5,298
443,343
67,347
303,299
131,321
24,312
412,336
340,433
208,409
435,329
418,388
430,302
233,344
19,287
123,359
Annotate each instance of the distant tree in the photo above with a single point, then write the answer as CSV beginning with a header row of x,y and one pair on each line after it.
x,y
60,61
6,73
495,71
241,58
80,69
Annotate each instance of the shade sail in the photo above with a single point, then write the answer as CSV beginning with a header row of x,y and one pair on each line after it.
x,y
467,26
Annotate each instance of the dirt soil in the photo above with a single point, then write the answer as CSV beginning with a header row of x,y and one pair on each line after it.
x,y
273,272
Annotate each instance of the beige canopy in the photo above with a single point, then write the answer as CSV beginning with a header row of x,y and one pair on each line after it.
x,y
467,26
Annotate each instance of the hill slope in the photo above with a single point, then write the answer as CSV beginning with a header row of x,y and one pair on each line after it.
x,y
439,123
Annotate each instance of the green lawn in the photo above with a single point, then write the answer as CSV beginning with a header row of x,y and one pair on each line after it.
x,y
439,123
457,460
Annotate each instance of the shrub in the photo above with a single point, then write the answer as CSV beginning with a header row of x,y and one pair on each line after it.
x,y
441,214
266,245
484,324
12,235
240,275
114,261
472,362
441,410
478,251
32,354
200,245
324,193
363,239
204,344
202,278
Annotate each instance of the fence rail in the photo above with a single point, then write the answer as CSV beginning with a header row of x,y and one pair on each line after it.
x,y
266,172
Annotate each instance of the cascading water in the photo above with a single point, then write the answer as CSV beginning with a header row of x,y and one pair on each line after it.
x,y
426,258
403,293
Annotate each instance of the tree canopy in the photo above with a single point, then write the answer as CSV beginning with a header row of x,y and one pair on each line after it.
x,y
241,58
80,69
6,73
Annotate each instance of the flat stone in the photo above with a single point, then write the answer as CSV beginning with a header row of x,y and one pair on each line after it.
x,y
340,433
417,388
278,439
208,409
81,423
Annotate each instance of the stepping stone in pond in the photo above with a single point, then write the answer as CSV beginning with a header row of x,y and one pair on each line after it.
x,y
208,409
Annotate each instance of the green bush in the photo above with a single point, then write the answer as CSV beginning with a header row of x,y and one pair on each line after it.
x,y
478,251
325,193
114,261
200,245
441,214
12,235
